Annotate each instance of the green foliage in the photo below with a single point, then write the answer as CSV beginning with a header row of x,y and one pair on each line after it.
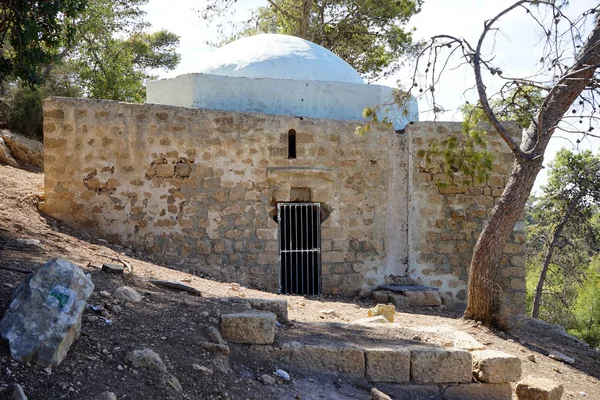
x,y
114,54
32,33
370,34
568,298
25,114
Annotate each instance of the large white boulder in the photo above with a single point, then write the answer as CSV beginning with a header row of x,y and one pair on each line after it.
x,y
44,317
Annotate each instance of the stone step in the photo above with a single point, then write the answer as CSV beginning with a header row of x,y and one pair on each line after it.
x,y
409,298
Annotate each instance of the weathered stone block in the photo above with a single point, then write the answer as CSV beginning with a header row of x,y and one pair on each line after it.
x,y
532,388
279,307
253,327
387,310
440,365
390,364
398,300
427,298
328,358
493,366
479,391
44,317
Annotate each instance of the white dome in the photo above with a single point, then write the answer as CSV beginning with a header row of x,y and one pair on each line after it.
x,y
279,57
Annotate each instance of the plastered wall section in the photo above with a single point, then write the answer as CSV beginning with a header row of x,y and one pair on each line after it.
x,y
198,188
446,217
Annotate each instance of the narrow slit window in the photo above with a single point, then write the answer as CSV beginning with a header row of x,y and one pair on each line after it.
x,y
291,143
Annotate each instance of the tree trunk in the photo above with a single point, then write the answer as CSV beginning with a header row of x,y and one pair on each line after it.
x,y
535,312
304,21
487,302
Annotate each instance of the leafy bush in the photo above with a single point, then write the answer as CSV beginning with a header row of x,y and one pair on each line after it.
x,y
25,114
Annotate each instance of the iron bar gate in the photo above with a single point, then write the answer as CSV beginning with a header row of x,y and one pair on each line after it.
x,y
299,248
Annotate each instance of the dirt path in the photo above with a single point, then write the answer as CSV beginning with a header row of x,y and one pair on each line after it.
x,y
174,323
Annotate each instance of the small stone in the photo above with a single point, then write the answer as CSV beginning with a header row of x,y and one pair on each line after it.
x,y
147,359
215,347
377,394
113,268
116,309
127,293
215,336
182,170
18,392
91,318
387,310
531,357
104,293
106,396
203,370
558,356
267,380
332,313
532,388
174,383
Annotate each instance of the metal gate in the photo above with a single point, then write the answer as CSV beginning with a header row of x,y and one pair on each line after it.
x,y
299,248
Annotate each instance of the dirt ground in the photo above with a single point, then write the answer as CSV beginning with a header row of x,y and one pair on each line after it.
x,y
175,323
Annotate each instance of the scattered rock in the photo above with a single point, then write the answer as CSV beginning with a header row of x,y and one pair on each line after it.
x,y
267,380
377,394
387,310
203,370
91,318
104,293
116,309
127,293
147,359
493,366
24,150
44,317
113,268
6,156
174,383
18,393
282,374
379,319
558,356
215,347
106,396
532,388
177,286
279,307
253,327
215,336
531,357
332,313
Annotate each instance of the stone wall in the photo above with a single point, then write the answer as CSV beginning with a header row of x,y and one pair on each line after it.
x,y
447,216
198,189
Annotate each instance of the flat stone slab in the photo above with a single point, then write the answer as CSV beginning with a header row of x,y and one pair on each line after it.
x,y
460,340
113,268
399,300
479,391
440,365
389,364
177,286
279,307
328,358
532,388
252,327
493,366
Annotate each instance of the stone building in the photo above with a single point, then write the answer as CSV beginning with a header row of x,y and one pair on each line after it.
x,y
250,171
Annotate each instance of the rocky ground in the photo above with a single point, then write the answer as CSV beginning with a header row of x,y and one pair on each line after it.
x,y
175,325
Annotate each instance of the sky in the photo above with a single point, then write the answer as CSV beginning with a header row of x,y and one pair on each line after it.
x,y
516,46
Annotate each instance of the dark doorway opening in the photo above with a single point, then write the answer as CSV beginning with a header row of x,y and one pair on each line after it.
x,y
299,248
